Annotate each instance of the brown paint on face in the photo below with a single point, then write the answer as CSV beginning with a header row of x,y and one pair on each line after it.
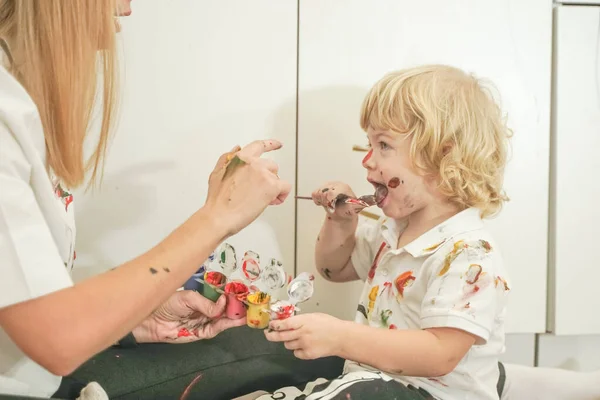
x,y
394,183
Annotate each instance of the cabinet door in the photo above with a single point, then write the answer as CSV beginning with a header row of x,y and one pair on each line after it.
x,y
567,2
199,77
576,139
346,45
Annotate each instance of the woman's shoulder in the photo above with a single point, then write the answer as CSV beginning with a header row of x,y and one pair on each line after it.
x,y
13,95
21,132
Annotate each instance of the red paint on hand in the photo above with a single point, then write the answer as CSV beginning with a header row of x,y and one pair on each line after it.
x,y
394,182
183,332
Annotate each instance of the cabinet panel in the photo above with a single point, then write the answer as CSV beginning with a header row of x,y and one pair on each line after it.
x,y
576,353
520,349
346,45
576,138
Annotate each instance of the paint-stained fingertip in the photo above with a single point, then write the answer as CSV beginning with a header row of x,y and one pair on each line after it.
x,y
272,144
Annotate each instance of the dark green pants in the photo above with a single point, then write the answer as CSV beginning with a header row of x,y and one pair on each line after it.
x,y
236,362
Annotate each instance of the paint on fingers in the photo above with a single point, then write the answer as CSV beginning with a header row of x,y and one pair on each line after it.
x,y
183,332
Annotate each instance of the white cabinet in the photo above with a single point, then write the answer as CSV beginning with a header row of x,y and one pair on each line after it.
x,y
199,77
520,349
576,140
577,353
575,2
346,45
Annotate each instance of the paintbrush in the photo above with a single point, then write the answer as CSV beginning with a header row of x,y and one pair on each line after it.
x,y
367,199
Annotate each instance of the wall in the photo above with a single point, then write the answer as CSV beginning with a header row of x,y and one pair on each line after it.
x,y
201,76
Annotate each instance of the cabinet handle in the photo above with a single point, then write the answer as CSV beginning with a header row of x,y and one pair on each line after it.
x,y
360,148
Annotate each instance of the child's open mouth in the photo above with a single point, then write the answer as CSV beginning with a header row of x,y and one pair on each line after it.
x,y
381,192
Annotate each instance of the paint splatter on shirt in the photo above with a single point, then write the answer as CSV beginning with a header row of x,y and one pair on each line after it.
x,y
459,281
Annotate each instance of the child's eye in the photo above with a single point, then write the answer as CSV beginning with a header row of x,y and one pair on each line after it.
x,y
383,146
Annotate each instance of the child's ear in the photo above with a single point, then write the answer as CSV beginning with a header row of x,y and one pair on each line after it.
x,y
447,148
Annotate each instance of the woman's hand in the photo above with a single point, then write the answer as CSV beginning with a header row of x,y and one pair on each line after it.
x,y
310,336
339,200
242,185
186,317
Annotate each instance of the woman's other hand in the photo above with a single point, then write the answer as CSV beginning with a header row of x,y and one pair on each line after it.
x,y
185,317
243,184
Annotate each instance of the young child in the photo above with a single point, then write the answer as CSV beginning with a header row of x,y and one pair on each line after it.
x,y
430,319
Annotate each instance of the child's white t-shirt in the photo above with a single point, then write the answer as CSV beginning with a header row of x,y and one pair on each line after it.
x,y
37,232
451,276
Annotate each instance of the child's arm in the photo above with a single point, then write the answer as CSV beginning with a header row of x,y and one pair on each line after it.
x,y
336,240
334,247
427,353
412,352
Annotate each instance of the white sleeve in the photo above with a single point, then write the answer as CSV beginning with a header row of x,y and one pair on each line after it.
x,y
30,262
363,253
464,290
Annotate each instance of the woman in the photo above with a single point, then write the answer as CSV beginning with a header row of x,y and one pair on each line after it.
x,y
47,90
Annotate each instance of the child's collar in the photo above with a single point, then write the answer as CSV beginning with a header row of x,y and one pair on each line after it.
x,y
427,244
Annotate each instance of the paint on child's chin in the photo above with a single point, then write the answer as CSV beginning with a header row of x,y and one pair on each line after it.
x,y
394,183
367,157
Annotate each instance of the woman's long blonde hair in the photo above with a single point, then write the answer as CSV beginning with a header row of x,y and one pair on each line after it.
x,y
458,133
58,49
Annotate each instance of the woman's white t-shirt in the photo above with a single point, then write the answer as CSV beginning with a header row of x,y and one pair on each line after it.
x,y
37,231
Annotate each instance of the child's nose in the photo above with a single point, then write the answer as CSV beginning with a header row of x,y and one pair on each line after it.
x,y
367,162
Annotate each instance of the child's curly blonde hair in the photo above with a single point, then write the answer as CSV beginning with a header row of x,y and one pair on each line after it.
x,y
458,133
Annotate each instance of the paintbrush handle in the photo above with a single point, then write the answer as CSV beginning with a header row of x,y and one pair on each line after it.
x,y
304,197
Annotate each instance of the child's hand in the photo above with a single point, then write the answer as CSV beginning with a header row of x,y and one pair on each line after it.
x,y
310,336
338,199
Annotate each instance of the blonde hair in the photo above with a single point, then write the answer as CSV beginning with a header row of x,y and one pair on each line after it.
x,y
458,133
54,48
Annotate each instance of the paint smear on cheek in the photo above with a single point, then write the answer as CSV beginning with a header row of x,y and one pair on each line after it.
x,y
367,157
394,183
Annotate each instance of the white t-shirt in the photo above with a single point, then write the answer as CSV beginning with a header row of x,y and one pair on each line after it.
x,y
451,276
37,231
